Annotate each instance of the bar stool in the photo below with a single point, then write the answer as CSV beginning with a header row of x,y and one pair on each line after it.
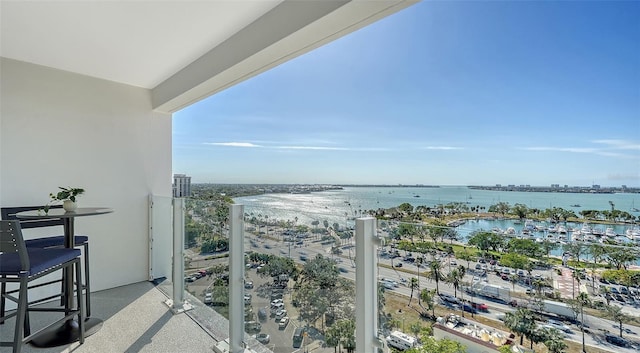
x,y
54,241
19,264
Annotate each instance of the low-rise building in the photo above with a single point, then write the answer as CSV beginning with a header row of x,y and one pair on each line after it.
x,y
476,337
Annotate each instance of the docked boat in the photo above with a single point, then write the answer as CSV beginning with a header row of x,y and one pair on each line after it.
x,y
586,228
562,229
609,232
598,232
633,233
577,236
529,225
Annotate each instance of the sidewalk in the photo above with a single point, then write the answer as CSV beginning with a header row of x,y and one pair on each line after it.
x,y
567,285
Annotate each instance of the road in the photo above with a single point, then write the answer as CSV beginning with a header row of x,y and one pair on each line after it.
x,y
309,249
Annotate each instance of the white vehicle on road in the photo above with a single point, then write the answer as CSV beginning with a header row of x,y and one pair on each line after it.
x,y
401,340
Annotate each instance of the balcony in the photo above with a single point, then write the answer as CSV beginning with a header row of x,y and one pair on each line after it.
x,y
137,317
135,320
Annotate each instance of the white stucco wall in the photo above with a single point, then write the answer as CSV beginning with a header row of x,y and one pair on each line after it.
x,y
63,129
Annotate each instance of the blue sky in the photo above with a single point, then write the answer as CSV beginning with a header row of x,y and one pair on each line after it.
x,y
446,93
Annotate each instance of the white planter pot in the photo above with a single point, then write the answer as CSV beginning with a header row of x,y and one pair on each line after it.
x,y
69,205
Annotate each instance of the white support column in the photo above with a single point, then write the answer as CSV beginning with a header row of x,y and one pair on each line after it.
x,y
178,303
366,286
236,278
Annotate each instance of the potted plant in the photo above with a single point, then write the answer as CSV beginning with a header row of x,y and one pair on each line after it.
x,y
67,196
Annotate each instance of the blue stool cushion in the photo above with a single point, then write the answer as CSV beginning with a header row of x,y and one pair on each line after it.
x,y
48,242
40,260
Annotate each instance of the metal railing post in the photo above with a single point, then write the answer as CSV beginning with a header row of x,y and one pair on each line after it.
x,y
236,278
177,302
366,286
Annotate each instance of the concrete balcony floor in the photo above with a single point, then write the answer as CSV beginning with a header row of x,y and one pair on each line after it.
x,y
136,319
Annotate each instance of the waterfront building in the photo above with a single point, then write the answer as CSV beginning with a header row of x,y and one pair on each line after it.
x,y
181,185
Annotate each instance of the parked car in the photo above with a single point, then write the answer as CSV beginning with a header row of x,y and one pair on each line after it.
x,y
280,314
208,298
614,290
252,326
262,314
283,323
276,301
248,285
480,306
616,340
277,307
469,308
559,325
262,338
449,298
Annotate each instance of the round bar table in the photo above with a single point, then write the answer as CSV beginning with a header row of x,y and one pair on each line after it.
x,y
68,331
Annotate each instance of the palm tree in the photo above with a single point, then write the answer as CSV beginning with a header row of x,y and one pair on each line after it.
x,y
428,297
606,291
615,313
576,278
455,277
462,270
596,251
435,273
413,284
418,262
513,279
466,255
582,300
452,277
554,340
521,322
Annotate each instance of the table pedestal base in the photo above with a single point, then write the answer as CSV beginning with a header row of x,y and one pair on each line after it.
x,y
66,333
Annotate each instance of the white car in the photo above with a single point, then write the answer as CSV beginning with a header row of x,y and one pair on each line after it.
x,y
208,298
558,325
280,314
283,322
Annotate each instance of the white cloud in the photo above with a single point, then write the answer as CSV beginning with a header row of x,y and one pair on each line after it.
x,y
562,149
442,148
321,148
612,148
234,144
619,144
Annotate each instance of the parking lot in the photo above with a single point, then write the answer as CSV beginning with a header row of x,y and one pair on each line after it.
x,y
280,340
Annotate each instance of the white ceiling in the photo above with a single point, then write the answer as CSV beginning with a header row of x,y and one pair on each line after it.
x,y
183,51
140,43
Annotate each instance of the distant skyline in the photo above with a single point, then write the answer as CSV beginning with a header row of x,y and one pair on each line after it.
x,y
441,93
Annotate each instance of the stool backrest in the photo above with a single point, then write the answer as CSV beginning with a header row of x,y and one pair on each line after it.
x,y
9,213
11,241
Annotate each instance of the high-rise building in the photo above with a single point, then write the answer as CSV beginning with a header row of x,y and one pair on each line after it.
x,y
181,185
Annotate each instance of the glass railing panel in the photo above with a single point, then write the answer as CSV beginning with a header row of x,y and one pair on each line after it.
x,y
296,277
206,263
